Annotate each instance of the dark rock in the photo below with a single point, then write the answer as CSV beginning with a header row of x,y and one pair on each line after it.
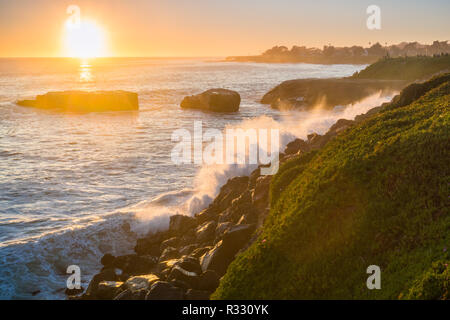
x,y
172,242
179,274
107,290
180,224
169,253
142,282
219,257
197,253
205,232
253,176
84,101
222,228
192,294
229,191
295,146
162,290
188,249
190,264
108,260
131,295
151,244
208,281
135,264
67,291
217,100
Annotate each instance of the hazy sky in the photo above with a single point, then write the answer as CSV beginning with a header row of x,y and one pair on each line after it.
x,y
218,27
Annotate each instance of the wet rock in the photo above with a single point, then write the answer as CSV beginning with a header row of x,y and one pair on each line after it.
x,y
67,291
131,295
151,244
179,274
107,290
108,260
169,253
222,228
197,253
172,242
135,264
180,224
162,290
190,264
137,283
205,232
217,100
188,249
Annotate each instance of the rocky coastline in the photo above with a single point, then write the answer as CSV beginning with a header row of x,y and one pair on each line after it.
x,y
187,260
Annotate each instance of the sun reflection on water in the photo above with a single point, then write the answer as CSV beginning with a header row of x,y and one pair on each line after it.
x,y
85,71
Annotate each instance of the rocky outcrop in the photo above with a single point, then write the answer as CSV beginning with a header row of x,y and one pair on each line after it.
x,y
84,101
217,100
327,93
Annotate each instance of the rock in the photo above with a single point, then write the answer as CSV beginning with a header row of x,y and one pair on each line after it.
x,y
179,274
222,228
108,260
205,232
192,294
328,93
208,281
172,242
260,199
188,249
107,274
151,244
206,215
197,253
162,290
180,224
141,282
295,146
67,291
168,264
169,253
217,100
84,101
253,176
131,295
340,125
219,257
190,264
107,290
135,264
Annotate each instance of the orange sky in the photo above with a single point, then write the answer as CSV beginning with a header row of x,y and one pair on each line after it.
x,y
216,28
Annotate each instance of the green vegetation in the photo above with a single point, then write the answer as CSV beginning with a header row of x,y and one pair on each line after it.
x,y
405,68
377,194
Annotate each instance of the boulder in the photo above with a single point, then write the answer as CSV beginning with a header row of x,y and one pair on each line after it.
x,y
172,242
108,260
84,101
179,224
188,249
169,253
217,100
205,232
131,295
151,243
135,264
140,282
222,228
222,254
179,274
190,264
107,290
295,146
162,290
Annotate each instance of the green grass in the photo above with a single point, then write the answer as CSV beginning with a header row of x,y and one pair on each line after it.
x,y
377,194
404,68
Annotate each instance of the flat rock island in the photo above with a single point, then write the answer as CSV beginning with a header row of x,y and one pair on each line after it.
x,y
84,101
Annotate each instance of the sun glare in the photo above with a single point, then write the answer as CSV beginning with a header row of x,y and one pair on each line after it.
x,y
85,40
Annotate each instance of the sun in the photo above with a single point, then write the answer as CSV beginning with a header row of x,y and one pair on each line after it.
x,y
84,40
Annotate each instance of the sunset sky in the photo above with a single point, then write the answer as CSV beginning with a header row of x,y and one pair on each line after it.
x,y
35,28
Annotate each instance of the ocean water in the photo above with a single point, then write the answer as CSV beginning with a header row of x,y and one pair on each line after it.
x,y
76,186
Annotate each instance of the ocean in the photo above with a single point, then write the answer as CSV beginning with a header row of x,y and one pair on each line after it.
x,y
76,186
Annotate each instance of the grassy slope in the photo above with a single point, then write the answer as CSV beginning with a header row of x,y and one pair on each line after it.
x,y
377,194
404,68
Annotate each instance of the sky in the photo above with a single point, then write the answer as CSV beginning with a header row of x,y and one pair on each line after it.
x,y
200,28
